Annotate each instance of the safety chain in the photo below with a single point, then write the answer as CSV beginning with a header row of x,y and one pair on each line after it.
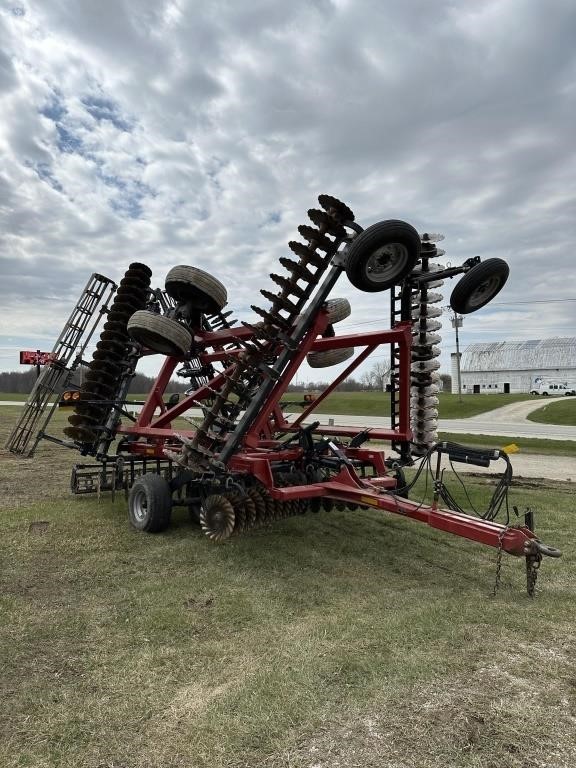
x,y
503,532
533,561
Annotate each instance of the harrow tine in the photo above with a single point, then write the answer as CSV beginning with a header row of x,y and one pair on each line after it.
x,y
288,285
273,320
324,221
336,208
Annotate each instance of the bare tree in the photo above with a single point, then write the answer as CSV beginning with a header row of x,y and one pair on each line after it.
x,y
379,375
366,380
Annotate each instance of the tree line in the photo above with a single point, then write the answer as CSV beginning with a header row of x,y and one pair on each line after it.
x,y
376,379
22,382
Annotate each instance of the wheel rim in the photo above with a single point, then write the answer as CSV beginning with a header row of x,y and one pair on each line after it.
x,y
483,293
387,262
139,506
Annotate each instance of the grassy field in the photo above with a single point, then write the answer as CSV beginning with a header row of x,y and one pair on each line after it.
x,y
556,412
9,414
334,640
21,397
378,403
529,445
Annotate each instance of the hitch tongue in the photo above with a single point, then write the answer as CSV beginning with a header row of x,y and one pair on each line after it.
x,y
536,547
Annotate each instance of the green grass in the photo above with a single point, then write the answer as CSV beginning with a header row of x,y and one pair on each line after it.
x,y
528,445
337,639
378,403
121,648
556,412
15,396
22,397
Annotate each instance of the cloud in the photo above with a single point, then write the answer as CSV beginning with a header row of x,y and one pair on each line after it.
x,y
200,133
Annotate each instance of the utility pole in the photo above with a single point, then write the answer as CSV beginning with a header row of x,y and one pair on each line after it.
x,y
457,321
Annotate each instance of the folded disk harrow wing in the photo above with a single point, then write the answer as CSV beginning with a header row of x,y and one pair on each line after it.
x,y
225,448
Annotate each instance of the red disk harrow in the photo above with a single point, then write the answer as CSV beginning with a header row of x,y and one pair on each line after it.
x,y
241,461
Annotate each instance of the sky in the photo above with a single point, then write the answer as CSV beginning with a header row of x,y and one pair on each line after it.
x,y
201,132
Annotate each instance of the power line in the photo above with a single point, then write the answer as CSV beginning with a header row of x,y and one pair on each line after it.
x,y
494,304
531,301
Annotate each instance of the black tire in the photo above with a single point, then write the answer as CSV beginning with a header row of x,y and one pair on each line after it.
x,y
150,504
184,283
329,357
382,255
159,333
338,310
479,286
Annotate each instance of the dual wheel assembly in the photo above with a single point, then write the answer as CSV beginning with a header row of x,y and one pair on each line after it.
x,y
378,258
382,255
194,291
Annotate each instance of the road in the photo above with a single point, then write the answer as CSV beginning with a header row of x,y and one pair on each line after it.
x,y
486,424
509,421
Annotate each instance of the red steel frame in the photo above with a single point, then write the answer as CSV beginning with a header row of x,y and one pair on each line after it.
x,y
153,433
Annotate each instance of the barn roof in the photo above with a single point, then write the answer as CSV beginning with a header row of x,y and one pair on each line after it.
x,y
520,355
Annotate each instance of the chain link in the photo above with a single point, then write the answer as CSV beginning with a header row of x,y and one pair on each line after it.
x,y
532,565
503,532
533,560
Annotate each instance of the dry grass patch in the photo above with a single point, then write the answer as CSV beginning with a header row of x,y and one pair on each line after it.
x,y
342,639
498,715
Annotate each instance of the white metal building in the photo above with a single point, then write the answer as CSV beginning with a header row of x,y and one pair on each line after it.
x,y
513,366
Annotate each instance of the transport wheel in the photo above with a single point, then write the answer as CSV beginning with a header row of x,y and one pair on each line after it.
x,y
184,283
159,333
150,504
382,255
338,309
329,357
479,286
217,517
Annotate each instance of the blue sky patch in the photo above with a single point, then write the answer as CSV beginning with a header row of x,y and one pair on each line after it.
x,y
67,141
44,173
129,202
55,109
105,109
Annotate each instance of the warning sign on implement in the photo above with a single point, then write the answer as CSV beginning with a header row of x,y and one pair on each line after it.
x,y
30,357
